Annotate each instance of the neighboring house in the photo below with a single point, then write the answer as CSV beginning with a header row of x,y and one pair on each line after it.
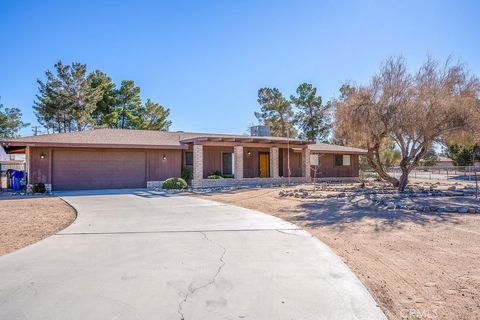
x,y
444,162
116,158
4,156
11,161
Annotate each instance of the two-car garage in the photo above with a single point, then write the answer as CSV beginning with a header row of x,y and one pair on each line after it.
x,y
98,169
101,168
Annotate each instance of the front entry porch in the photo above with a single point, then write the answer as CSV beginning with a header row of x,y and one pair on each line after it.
x,y
248,164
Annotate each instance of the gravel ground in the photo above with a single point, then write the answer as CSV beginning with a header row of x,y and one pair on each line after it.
x,y
416,265
24,221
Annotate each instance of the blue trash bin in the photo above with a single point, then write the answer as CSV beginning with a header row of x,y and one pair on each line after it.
x,y
17,177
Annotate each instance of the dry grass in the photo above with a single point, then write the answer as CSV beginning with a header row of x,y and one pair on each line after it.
x,y
24,221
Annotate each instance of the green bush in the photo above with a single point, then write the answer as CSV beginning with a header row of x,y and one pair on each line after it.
x,y
174,183
38,188
214,176
187,174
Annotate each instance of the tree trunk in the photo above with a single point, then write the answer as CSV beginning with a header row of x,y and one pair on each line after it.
x,y
373,160
402,183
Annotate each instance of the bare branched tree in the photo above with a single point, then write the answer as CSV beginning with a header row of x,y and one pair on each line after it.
x,y
414,110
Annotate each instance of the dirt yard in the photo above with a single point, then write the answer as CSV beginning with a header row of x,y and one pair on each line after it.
x,y
24,221
416,265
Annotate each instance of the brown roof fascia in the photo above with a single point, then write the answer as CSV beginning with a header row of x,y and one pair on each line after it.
x,y
88,145
337,152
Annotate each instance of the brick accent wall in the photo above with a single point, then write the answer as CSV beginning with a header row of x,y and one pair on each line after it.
x,y
154,184
274,163
238,156
306,163
251,182
197,162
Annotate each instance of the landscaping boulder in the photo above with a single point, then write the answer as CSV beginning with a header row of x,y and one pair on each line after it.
x,y
462,210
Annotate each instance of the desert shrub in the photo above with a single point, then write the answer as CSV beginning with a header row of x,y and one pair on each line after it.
x,y
38,188
187,174
174,183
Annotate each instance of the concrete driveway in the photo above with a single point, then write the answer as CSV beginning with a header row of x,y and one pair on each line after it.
x,y
143,255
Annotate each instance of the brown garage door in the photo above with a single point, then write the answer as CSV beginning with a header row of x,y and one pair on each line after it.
x,y
98,169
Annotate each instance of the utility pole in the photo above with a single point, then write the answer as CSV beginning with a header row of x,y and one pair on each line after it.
x,y
474,154
288,153
35,130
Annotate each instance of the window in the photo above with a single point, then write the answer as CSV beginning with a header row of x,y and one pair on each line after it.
x,y
342,160
189,158
227,164
338,160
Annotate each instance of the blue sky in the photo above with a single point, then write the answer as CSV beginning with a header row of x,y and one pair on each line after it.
x,y
205,60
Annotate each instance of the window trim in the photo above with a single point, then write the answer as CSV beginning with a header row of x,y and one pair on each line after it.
x,y
343,160
185,163
233,162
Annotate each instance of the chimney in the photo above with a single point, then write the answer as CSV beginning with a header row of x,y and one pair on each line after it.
x,y
260,131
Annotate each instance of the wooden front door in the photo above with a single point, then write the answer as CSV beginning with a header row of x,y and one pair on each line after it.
x,y
263,159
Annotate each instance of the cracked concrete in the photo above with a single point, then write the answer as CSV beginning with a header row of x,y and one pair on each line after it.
x,y
209,283
133,254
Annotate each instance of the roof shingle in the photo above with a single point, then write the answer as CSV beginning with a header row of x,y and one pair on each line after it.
x,y
127,137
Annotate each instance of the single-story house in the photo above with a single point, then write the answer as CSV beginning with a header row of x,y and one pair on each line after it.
x,y
444,162
121,158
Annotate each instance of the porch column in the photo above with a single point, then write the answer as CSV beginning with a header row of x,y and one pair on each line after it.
x,y
197,162
274,162
238,161
306,163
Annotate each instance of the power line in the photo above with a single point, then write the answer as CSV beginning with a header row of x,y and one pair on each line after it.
x,y
35,130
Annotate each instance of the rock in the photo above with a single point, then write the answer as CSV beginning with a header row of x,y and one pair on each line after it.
x,y
462,210
390,205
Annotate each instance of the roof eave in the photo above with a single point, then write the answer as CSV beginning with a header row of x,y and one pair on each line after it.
x,y
339,152
88,145
246,139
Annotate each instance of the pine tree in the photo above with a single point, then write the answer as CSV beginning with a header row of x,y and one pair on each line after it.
x,y
67,100
276,112
312,117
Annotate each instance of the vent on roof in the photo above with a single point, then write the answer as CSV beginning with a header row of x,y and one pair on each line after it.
x,y
259,131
